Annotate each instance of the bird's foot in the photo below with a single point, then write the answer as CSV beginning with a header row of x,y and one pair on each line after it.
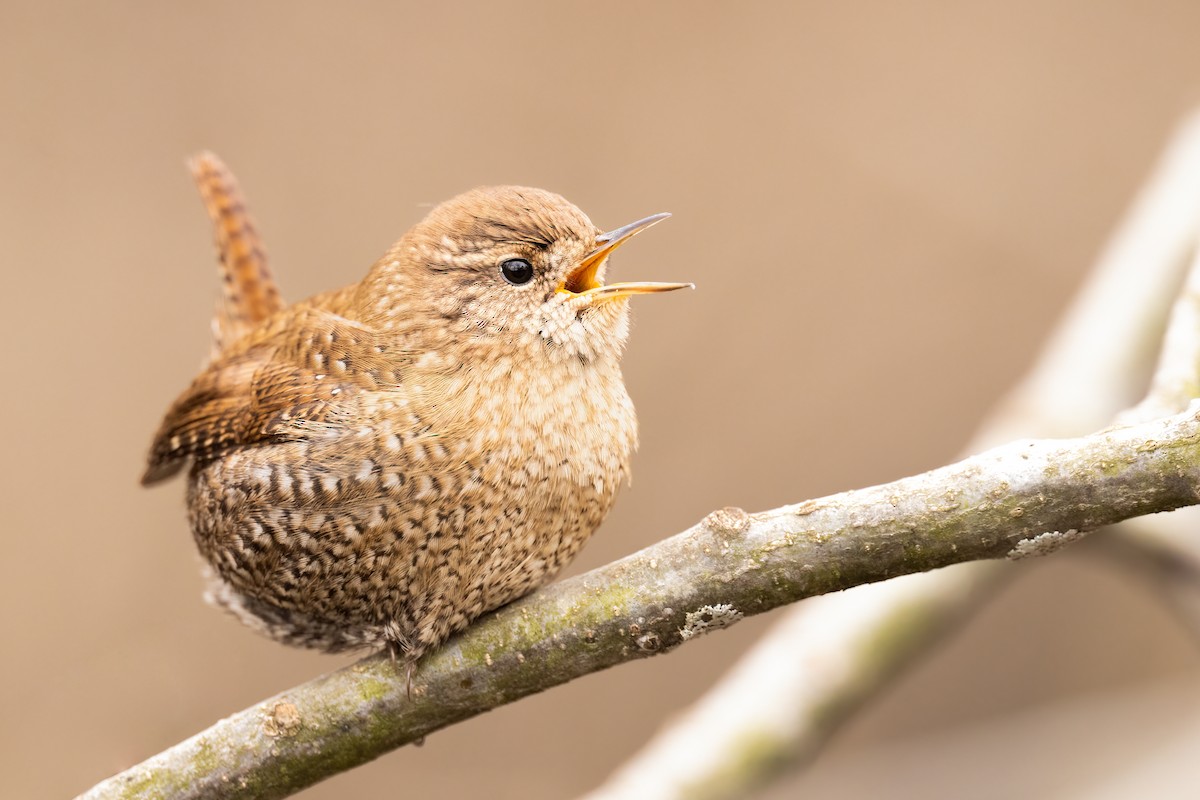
x,y
401,652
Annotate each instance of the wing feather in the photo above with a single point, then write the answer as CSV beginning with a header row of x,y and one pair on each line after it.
x,y
303,376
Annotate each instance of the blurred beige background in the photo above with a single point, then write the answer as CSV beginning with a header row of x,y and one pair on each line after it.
x,y
884,207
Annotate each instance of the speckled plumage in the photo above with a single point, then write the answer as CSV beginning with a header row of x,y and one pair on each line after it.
x,y
381,464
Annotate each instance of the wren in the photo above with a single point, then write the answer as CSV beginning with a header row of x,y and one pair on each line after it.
x,y
379,465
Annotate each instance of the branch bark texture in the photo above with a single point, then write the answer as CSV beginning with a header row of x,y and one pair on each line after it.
x,y
1025,498
760,720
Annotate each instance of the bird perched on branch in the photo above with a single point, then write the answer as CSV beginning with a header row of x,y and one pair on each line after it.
x,y
381,464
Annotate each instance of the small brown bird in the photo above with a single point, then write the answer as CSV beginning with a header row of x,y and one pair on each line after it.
x,y
381,464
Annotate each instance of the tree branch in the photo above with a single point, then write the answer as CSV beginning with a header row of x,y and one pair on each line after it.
x,y
1176,378
1164,550
1025,498
808,673
1092,366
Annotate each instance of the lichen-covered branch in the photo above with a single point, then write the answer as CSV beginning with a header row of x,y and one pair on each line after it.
x,y
1165,550
336,722
855,642
1022,496
807,674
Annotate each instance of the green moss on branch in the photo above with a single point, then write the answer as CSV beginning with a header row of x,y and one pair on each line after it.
x,y
733,564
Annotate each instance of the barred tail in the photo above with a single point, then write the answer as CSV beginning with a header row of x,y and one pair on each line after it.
x,y
248,291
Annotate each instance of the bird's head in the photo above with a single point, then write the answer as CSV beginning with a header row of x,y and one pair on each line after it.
x,y
510,266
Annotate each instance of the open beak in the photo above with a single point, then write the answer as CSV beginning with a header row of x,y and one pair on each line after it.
x,y
584,281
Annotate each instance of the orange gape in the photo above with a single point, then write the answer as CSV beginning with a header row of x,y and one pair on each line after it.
x,y
380,464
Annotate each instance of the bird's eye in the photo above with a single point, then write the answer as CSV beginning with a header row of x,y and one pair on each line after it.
x,y
517,271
